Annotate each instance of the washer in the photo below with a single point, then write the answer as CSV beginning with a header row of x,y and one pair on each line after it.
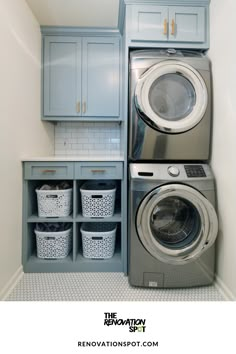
x,y
172,225
169,105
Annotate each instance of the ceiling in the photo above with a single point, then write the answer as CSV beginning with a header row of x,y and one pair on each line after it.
x,y
82,13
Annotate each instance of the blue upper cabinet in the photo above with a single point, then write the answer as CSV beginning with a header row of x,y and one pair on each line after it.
x,y
100,77
187,24
150,22
81,78
167,25
62,76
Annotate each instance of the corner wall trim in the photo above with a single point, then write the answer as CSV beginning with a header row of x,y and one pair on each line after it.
x,y
121,17
11,284
224,290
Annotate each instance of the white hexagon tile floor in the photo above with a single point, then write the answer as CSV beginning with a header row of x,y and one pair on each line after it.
x,y
100,287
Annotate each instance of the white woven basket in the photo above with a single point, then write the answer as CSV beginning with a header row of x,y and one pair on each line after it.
x,y
98,240
54,203
98,199
53,245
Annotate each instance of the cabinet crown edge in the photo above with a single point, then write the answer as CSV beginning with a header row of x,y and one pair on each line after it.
x,y
168,2
79,31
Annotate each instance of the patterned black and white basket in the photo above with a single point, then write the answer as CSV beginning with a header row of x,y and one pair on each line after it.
x,y
98,199
53,245
54,203
98,240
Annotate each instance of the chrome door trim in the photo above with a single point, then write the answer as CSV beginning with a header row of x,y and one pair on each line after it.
x,y
144,108
208,229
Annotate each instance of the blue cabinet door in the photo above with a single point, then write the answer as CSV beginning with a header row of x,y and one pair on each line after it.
x,y
149,23
62,76
100,77
187,24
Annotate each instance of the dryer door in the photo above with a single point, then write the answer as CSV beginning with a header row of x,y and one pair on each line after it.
x,y
176,223
171,97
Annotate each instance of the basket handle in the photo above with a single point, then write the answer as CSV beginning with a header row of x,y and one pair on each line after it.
x,y
97,238
97,196
49,238
54,196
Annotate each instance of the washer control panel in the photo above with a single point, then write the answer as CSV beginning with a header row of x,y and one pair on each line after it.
x,y
173,171
169,172
194,171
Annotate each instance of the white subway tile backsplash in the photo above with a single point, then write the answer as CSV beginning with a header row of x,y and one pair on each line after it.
x,y
74,140
85,138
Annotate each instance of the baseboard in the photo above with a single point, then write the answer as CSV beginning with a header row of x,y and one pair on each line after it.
x,y
224,290
11,284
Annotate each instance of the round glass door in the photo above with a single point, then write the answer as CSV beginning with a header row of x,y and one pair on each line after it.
x,y
171,97
176,223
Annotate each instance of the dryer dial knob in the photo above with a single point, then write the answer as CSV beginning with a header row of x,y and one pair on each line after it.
x,y
173,171
171,51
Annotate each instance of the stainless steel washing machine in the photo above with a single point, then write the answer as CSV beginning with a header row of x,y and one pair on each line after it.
x,y
169,105
172,225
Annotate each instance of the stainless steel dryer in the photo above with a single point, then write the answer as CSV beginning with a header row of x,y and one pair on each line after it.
x,y
172,225
169,105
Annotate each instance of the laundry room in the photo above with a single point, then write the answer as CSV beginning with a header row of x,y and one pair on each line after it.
x,y
117,151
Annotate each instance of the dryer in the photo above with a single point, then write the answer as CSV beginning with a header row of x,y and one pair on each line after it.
x,y
169,105
172,225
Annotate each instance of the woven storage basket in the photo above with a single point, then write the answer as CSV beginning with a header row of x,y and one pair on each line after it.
x,y
54,203
98,240
53,245
98,199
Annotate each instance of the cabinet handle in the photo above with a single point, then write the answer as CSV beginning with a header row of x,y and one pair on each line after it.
x,y
173,27
78,107
84,107
165,27
98,171
49,171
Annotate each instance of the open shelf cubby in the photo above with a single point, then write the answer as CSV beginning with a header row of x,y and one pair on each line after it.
x,y
75,261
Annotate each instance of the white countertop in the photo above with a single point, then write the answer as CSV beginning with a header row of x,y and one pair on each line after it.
x,y
72,158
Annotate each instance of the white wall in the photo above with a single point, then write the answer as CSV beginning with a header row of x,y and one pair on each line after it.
x,y
94,13
223,56
21,133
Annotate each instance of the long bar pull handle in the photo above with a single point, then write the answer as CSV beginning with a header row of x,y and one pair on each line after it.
x,y
165,27
84,107
98,171
78,107
173,27
49,171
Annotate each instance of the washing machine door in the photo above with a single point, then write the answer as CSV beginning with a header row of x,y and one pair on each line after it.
x,y
171,97
176,224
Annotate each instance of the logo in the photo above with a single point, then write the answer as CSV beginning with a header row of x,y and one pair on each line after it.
x,y
134,325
